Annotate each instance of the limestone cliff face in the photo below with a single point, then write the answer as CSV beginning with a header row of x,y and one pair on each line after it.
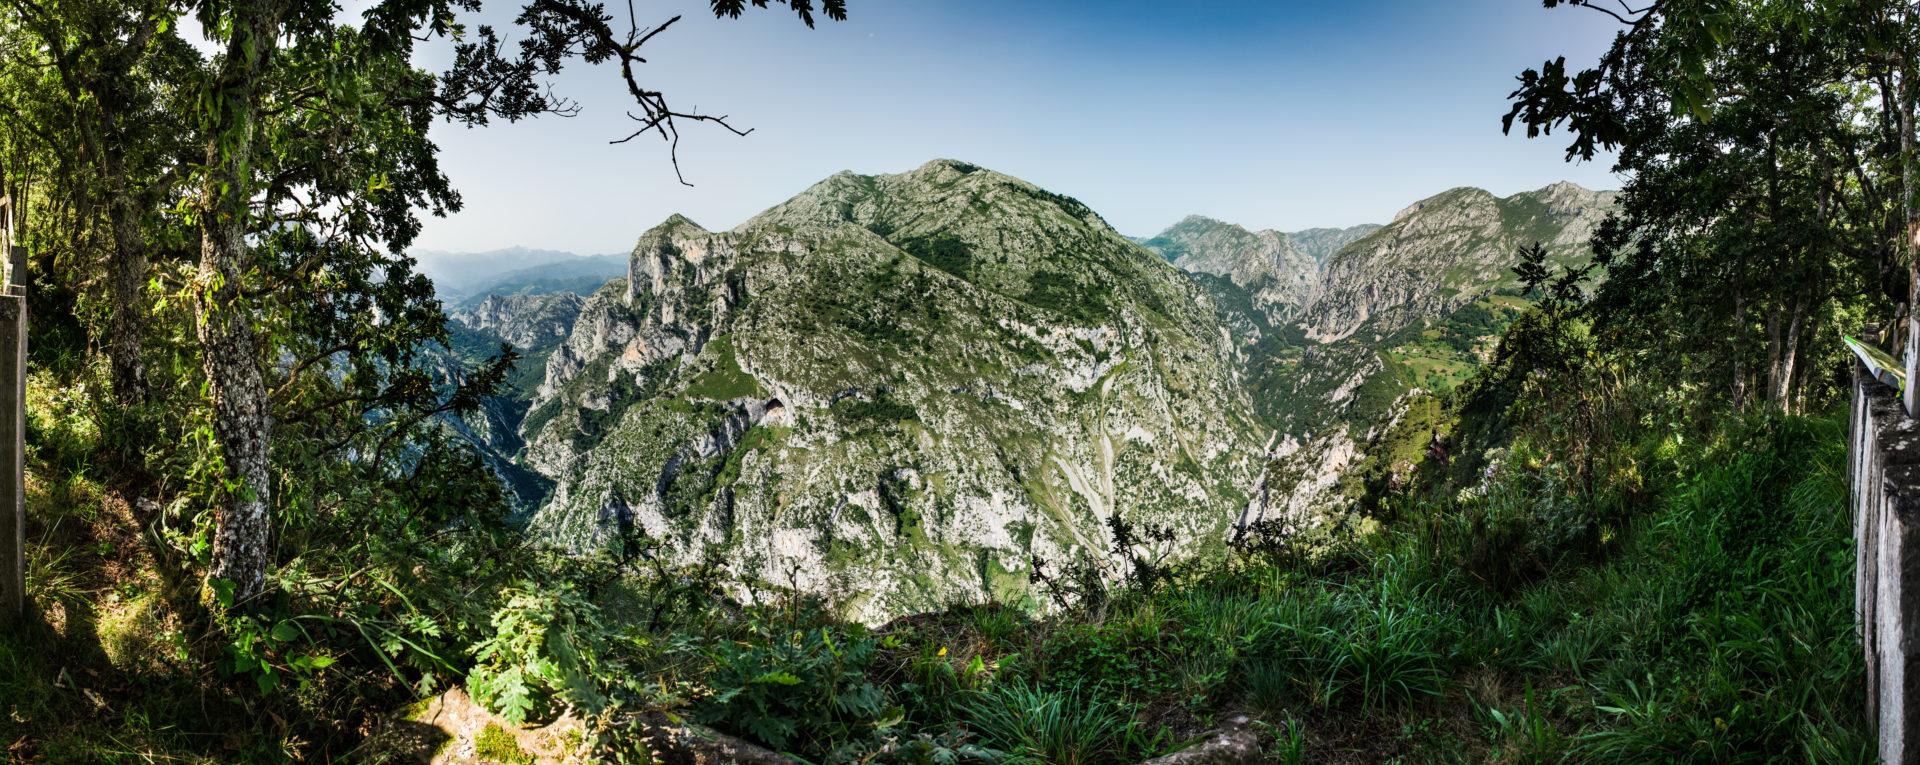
x,y
895,390
1278,278
492,429
1443,251
1322,243
1301,488
1329,366
1438,254
525,321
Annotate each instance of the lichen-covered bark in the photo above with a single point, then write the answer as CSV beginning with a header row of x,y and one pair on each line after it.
x,y
1789,352
241,420
129,277
229,350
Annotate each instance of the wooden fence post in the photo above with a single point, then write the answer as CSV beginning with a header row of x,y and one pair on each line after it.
x,y
13,424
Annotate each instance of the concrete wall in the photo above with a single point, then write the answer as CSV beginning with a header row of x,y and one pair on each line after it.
x,y
1883,451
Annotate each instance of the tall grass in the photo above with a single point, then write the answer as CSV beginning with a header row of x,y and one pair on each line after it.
x,y
1051,727
1706,618
1734,626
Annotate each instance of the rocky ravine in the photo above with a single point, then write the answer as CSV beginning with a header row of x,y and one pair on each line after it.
x,y
1279,271
895,390
1439,253
1278,277
1330,382
1322,243
1443,251
526,321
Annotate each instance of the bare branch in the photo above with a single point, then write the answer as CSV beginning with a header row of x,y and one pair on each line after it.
x,y
1616,16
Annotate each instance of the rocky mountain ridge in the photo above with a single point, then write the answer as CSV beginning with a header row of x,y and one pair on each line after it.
x,y
459,274
525,321
908,388
1277,277
1322,243
1442,251
1436,255
1408,306
902,389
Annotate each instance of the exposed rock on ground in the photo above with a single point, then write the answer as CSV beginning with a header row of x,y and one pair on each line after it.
x,y
1233,744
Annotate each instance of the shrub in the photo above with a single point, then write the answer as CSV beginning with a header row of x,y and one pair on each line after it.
x,y
1268,684
544,649
795,687
1326,648
1390,658
1087,303
1106,660
881,411
945,252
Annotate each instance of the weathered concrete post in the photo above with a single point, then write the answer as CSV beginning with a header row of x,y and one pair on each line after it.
x,y
1883,456
13,426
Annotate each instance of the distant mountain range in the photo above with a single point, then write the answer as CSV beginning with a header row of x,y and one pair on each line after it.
x,y
908,388
515,271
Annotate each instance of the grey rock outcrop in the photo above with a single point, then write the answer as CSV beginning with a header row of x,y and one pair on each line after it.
x,y
1322,243
894,390
1279,278
1443,251
1324,361
526,321
1232,744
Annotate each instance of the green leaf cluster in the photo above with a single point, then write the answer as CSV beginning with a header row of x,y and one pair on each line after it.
x,y
544,652
795,688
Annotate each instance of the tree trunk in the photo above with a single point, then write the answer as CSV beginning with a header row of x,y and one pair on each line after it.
x,y
1739,351
129,283
1783,384
1904,102
1802,366
228,345
1773,356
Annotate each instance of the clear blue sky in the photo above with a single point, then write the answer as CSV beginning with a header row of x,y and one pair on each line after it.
x,y
1272,114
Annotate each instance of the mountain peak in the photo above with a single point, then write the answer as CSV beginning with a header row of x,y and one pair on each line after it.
x,y
939,192
676,226
1202,222
1563,187
1458,194
1446,249
943,166
1262,262
951,352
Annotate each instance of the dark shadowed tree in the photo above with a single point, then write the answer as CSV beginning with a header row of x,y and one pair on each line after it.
x,y
296,157
1763,193
116,106
292,95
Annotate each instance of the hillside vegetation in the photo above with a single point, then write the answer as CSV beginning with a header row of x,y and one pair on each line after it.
x,y
936,467
1695,605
